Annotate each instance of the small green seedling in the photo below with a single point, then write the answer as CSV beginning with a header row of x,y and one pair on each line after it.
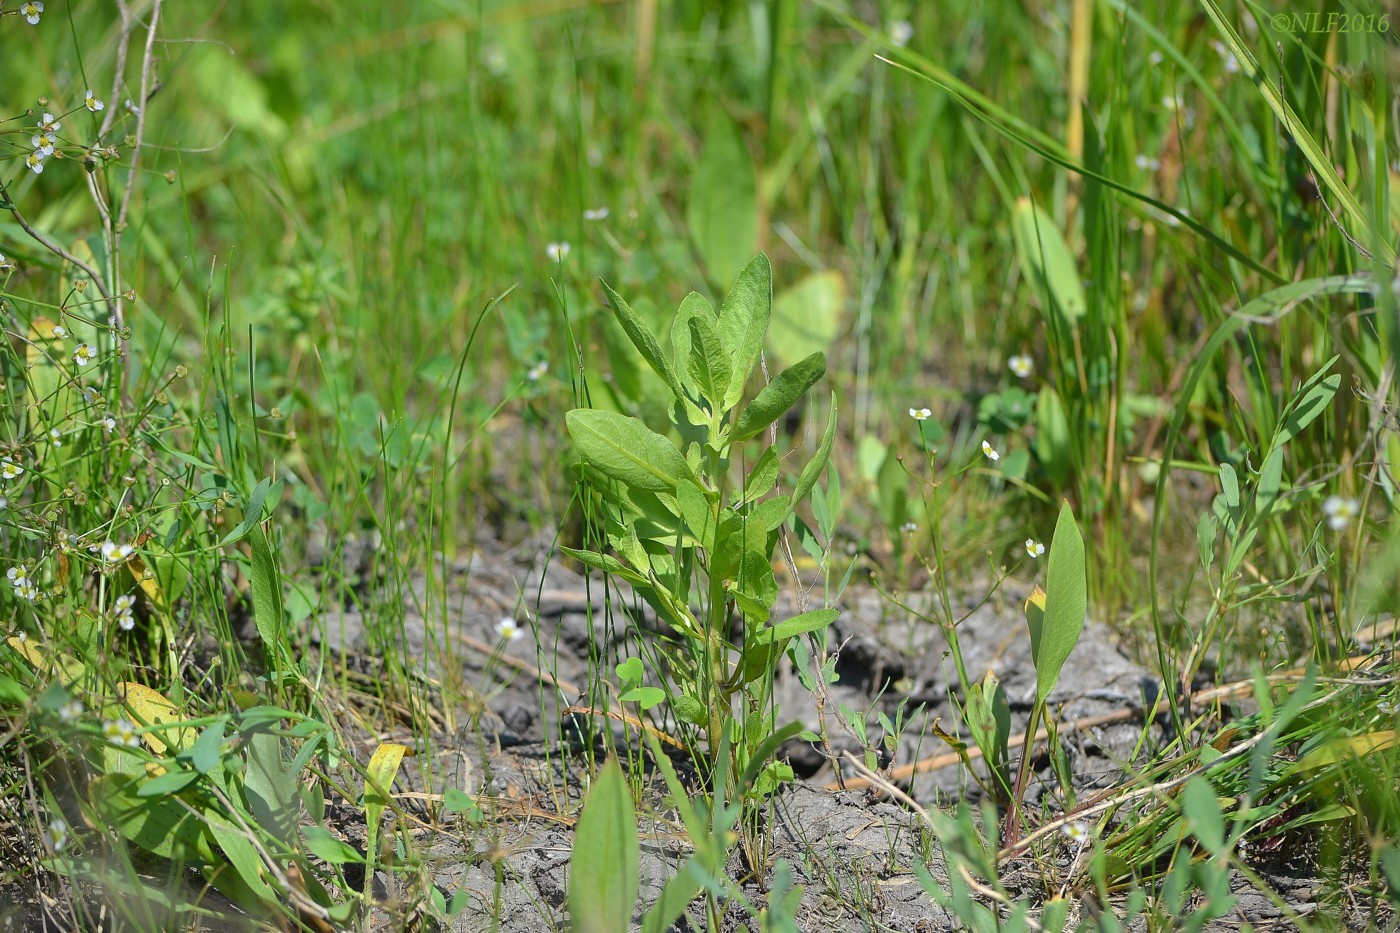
x,y
1055,617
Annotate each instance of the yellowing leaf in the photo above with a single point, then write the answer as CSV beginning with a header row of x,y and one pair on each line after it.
x,y
1343,749
151,708
68,669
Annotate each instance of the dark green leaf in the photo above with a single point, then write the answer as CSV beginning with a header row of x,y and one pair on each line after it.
x,y
627,450
774,399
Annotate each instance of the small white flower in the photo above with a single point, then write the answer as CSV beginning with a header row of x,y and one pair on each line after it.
x,y
1154,58
57,834
121,732
56,436
989,451
43,143
114,553
92,102
596,213
536,372
1172,102
49,124
1076,832
59,332
17,574
123,604
557,252
84,354
9,469
1340,511
30,11
6,265
1146,162
4,502
909,528
493,58
1387,706
920,414
70,711
109,424
508,629
27,591
35,161
1021,365
901,31
1034,548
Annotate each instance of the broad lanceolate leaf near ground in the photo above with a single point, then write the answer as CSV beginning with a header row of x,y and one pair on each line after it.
x,y
627,450
722,209
1048,264
1056,616
604,873
807,316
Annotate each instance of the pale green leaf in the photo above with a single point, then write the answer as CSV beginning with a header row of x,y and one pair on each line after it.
x,y
604,873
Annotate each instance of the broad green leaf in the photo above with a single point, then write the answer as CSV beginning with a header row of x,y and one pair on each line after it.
x,y
765,750
698,514
643,339
1048,265
770,513
762,477
808,477
1203,817
266,584
807,316
320,843
269,784
1055,631
774,399
1230,486
623,448
606,563
604,874
988,715
1270,481
1311,400
813,621
1052,436
710,365
253,509
167,784
205,754
722,208
688,709
743,322
160,825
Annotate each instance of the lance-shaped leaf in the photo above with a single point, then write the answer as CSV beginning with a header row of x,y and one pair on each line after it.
x,y
774,399
808,477
604,874
1056,617
743,322
710,364
643,339
627,450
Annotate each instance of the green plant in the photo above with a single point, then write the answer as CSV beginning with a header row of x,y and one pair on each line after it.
x,y
686,533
